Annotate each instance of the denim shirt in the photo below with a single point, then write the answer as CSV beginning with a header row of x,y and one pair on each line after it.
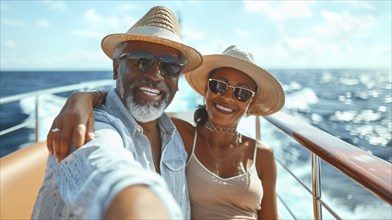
x,y
84,183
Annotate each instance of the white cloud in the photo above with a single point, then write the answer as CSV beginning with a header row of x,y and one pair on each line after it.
x,y
12,22
241,33
281,28
304,46
384,50
101,25
290,52
358,4
88,56
99,21
315,53
87,33
191,34
212,46
80,59
56,5
84,59
10,44
43,23
343,24
280,10
126,7
127,22
4,7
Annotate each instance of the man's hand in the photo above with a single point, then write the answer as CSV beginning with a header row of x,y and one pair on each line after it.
x,y
136,202
75,122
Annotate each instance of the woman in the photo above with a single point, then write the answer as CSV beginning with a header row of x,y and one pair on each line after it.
x,y
230,176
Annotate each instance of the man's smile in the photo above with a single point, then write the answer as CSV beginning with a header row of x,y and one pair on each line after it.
x,y
150,93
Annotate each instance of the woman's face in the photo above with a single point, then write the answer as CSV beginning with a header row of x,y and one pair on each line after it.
x,y
226,103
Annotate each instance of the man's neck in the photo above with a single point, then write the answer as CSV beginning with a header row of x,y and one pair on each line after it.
x,y
149,126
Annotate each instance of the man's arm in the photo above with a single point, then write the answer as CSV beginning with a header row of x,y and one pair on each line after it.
x,y
75,123
136,202
102,177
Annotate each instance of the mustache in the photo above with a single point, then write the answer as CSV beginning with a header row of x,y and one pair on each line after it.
x,y
146,82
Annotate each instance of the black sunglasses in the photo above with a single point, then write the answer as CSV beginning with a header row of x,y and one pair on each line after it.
x,y
220,87
169,66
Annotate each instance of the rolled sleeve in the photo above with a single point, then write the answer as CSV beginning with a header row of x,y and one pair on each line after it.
x,y
93,175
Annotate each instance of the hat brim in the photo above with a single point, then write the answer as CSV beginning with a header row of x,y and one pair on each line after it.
x,y
194,58
270,96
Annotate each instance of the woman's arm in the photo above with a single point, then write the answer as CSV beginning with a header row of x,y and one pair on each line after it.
x,y
75,122
266,168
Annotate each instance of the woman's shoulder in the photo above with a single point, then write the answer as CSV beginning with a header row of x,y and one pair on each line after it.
x,y
263,151
265,160
182,125
263,148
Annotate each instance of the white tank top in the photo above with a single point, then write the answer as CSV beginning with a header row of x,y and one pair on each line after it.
x,y
214,197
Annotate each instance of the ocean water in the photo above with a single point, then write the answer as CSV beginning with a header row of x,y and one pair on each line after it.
x,y
352,104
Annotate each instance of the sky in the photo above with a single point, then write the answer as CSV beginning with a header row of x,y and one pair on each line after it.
x,y
66,35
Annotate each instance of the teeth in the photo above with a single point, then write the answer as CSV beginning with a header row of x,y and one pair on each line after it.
x,y
149,91
224,108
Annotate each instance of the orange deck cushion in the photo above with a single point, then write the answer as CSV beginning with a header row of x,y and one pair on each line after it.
x,y
22,174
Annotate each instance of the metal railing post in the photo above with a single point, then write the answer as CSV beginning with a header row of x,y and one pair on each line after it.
x,y
316,187
38,93
257,124
36,117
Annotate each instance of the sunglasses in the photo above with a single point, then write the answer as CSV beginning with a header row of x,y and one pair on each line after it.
x,y
169,66
220,87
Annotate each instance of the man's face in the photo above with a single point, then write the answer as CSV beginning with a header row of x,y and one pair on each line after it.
x,y
144,90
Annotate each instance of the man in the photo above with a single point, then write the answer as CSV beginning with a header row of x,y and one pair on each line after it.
x,y
115,175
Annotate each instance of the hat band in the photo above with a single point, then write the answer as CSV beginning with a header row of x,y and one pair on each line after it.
x,y
153,31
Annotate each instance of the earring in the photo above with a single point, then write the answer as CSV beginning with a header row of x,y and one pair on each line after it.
x,y
246,114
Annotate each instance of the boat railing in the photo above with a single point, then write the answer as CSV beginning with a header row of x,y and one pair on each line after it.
x,y
37,94
373,173
369,171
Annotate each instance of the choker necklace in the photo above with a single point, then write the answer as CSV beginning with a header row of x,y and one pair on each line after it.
x,y
218,129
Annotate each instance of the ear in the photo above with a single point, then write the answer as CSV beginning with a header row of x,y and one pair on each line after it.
x,y
115,67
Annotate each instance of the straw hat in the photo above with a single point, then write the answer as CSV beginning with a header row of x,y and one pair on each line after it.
x,y
159,26
270,96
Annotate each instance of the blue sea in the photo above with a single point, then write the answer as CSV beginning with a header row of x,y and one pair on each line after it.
x,y
351,104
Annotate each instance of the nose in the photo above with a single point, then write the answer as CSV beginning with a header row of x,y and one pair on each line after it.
x,y
229,94
154,73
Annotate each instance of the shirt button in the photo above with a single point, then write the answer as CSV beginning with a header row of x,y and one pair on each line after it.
x,y
139,129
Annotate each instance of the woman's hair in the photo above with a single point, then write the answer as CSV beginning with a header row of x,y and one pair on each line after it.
x,y
201,115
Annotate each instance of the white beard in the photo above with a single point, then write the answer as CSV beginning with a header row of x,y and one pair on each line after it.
x,y
144,112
